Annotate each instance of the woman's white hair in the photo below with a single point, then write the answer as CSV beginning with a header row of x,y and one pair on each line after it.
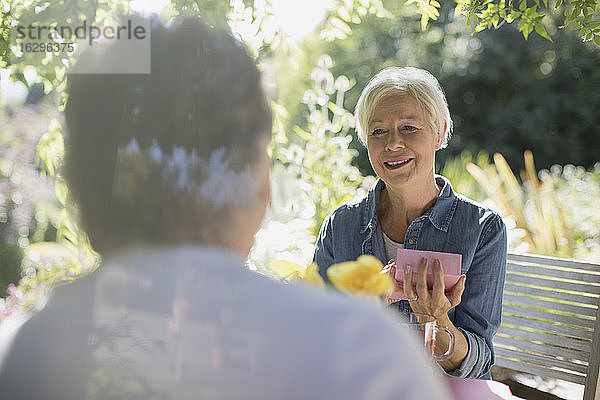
x,y
415,82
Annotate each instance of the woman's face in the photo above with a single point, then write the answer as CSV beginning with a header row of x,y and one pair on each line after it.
x,y
401,142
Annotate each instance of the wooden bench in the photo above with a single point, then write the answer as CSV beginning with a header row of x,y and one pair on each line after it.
x,y
550,320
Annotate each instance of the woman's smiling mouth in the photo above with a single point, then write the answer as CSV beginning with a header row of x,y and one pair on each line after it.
x,y
397,164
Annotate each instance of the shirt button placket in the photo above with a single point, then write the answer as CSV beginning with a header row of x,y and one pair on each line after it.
x,y
413,233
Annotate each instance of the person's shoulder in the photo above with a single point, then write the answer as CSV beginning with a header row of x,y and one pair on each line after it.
x,y
67,301
488,221
484,212
55,336
351,208
303,300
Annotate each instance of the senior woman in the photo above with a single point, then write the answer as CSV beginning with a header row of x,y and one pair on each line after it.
x,y
403,119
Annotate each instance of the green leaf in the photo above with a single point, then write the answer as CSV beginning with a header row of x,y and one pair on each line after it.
x,y
343,13
574,13
523,5
527,31
597,39
335,108
495,20
525,28
541,30
432,12
60,187
424,22
341,25
304,135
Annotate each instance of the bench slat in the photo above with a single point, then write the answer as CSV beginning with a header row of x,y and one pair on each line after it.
x,y
549,283
551,293
548,327
539,370
557,262
543,348
550,305
568,342
563,326
541,360
547,316
554,273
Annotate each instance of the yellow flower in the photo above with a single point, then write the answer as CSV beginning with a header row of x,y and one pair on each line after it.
x,y
362,277
295,276
285,269
310,277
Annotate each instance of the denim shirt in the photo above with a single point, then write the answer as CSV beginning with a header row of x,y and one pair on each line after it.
x,y
454,224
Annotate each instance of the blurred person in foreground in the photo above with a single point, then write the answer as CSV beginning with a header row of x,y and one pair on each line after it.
x,y
171,175
403,119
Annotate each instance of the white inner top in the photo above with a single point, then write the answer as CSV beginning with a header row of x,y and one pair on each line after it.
x,y
391,247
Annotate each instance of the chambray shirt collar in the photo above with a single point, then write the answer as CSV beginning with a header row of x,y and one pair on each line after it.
x,y
439,215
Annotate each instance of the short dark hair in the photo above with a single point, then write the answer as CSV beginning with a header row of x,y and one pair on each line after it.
x,y
203,97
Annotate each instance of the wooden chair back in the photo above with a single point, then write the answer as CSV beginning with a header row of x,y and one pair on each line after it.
x,y
550,320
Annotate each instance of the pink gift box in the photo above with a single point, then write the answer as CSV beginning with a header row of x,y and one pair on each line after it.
x,y
451,264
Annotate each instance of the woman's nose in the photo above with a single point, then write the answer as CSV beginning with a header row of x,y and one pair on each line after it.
x,y
394,141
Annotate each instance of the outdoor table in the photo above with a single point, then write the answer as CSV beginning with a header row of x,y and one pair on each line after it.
x,y
480,389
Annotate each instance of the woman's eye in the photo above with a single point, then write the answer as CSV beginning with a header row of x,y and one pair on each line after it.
x,y
376,132
409,128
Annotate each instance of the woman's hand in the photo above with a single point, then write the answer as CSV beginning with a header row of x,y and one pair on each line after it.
x,y
435,302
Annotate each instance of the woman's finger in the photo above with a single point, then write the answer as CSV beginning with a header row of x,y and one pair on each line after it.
x,y
422,289
407,285
455,295
438,278
399,285
390,267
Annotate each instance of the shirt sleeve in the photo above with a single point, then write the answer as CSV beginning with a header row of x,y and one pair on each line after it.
x,y
479,313
323,255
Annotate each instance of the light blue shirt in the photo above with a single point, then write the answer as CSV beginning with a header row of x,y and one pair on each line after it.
x,y
191,322
455,224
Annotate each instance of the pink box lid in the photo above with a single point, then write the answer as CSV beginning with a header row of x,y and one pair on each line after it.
x,y
451,264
